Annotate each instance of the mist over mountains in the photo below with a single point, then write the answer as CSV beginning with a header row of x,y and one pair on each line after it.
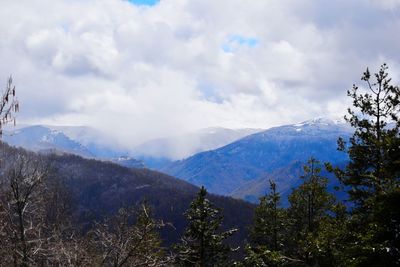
x,y
186,145
41,138
229,162
91,143
242,168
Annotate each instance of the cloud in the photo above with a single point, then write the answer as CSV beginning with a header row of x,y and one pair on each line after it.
x,y
140,72
387,4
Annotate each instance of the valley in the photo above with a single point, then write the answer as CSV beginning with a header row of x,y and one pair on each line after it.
x,y
236,163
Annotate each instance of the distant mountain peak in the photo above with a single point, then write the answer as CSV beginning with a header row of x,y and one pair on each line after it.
x,y
321,121
43,139
228,168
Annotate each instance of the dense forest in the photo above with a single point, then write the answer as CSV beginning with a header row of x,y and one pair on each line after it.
x,y
69,211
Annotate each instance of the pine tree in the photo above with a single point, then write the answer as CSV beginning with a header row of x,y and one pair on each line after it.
x,y
203,242
373,172
268,220
267,232
374,166
310,208
150,249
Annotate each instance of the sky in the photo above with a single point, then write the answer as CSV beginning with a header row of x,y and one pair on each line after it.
x,y
142,69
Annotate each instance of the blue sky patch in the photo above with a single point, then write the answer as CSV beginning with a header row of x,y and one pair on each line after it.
x,y
238,40
209,92
144,2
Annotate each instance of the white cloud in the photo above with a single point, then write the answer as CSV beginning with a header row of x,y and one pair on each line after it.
x,y
140,72
387,4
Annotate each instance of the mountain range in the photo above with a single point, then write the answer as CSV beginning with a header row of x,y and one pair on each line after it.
x,y
228,162
242,169
91,143
40,138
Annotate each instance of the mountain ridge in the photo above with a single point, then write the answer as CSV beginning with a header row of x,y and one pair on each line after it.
x,y
88,142
228,168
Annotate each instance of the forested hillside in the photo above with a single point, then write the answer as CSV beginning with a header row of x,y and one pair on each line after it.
x,y
98,189
273,153
78,193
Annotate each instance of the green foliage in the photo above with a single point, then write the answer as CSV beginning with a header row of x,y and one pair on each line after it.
x,y
309,233
203,242
373,172
260,256
374,166
310,202
267,232
268,221
312,220
327,243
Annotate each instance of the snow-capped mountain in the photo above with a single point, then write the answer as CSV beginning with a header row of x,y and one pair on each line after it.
x,y
78,140
228,169
40,138
90,143
95,141
240,168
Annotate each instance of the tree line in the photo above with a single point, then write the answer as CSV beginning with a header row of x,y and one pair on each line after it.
x,y
316,229
319,230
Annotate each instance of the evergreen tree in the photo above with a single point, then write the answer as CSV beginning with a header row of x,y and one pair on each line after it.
x,y
203,243
268,221
309,215
150,249
311,200
373,150
261,256
267,232
373,172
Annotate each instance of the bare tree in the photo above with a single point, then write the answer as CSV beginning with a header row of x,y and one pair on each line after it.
x,y
35,227
119,243
8,105
22,177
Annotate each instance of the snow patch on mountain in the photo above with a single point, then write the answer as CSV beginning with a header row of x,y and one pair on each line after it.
x,y
228,168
